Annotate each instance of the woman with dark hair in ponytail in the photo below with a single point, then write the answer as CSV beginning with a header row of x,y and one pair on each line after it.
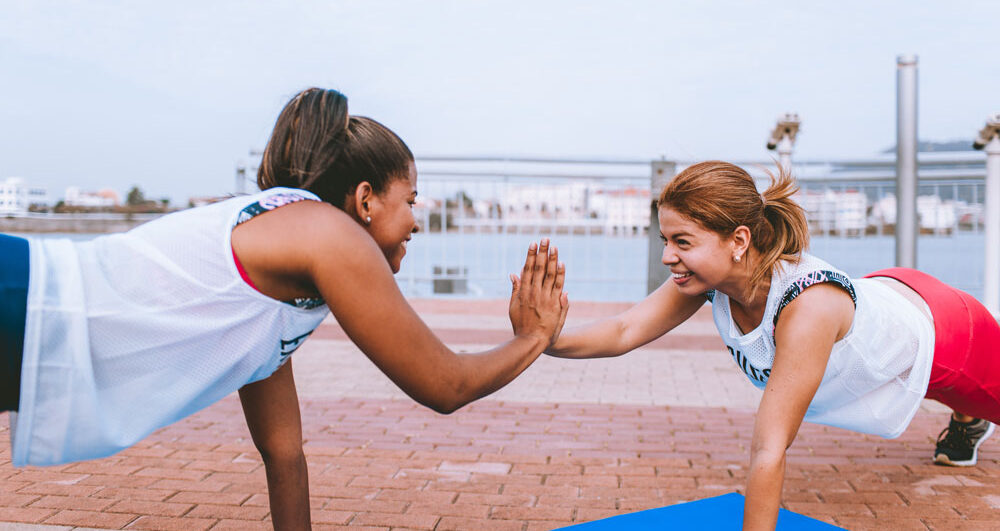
x,y
104,341
858,354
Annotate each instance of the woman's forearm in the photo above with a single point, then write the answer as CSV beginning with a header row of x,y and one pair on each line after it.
x,y
763,496
288,493
469,377
602,339
493,369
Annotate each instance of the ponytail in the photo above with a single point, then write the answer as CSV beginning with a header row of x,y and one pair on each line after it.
x,y
721,197
305,139
789,232
317,146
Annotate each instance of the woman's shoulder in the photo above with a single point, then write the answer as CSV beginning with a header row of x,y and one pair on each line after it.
x,y
794,277
270,199
805,264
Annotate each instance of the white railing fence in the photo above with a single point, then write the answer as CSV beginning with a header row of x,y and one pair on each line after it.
x,y
478,215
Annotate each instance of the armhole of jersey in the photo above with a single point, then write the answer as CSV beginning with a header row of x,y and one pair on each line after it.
x,y
243,272
267,204
812,279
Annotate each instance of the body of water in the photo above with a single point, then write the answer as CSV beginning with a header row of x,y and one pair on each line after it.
x,y
613,268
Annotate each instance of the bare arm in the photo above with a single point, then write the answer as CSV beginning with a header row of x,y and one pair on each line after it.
x,y
317,247
657,314
271,408
804,337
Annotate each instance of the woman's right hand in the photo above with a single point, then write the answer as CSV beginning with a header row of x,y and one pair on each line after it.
x,y
538,305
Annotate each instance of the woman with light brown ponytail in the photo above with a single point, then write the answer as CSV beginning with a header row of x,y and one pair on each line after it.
x,y
858,354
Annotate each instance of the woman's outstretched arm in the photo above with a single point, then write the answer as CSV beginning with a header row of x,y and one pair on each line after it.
x,y
314,246
657,314
271,408
804,336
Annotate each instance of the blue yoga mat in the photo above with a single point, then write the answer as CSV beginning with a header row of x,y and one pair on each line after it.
x,y
719,513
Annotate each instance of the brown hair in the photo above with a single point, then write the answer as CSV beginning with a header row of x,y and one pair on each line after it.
x,y
721,196
317,146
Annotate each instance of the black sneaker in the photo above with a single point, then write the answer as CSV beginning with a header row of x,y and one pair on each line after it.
x,y
958,444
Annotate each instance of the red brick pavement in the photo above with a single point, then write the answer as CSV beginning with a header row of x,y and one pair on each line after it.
x,y
379,463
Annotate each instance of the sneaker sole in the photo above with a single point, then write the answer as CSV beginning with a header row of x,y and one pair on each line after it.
x,y
942,459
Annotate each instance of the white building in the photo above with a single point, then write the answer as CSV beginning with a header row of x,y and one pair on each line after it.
x,y
579,201
829,211
625,210
100,199
16,197
553,200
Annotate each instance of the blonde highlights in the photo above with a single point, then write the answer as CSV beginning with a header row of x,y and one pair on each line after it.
x,y
721,196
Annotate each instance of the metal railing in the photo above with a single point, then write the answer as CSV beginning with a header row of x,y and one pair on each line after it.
x,y
478,214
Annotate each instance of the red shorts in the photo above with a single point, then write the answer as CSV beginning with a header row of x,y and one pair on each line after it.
x,y
966,371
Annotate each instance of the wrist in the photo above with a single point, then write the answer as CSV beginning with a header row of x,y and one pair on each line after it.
x,y
537,340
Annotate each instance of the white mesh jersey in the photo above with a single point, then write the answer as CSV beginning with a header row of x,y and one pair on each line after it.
x,y
877,374
130,332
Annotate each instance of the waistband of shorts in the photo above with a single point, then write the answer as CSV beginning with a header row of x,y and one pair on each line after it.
x,y
948,308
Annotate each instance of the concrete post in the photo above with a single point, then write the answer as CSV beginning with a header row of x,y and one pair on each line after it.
x,y
906,161
991,209
656,273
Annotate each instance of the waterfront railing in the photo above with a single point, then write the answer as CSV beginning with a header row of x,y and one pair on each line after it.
x,y
477,215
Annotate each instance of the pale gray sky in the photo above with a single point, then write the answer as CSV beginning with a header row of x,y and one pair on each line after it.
x,y
170,95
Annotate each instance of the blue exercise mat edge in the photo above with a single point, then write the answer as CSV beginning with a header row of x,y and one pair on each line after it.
x,y
723,512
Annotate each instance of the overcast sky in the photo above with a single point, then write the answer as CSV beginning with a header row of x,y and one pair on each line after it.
x,y
172,95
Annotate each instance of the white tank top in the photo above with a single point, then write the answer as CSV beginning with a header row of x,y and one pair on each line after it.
x,y
877,373
131,332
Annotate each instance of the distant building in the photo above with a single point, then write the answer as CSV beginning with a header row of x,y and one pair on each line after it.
x,y
105,198
199,201
577,201
625,209
17,198
551,200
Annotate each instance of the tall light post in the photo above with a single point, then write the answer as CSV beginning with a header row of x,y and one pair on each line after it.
x,y
783,138
906,161
989,141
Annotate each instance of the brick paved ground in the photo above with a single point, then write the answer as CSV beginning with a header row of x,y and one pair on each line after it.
x,y
569,441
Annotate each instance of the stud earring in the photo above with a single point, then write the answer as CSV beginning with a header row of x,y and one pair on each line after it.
x,y
368,220
736,258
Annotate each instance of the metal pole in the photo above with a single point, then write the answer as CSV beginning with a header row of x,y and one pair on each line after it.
x,y
241,178
906,161
783,139
991,274
785,153
656,273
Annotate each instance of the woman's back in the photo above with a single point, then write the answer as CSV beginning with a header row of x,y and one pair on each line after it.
x,y
113,320
876,374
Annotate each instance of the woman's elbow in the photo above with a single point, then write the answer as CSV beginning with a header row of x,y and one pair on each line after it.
x,y
281,453
767,457
444,403
444,408
447,398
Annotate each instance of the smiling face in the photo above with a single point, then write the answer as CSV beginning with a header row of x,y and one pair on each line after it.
x,y
700,259
392,221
